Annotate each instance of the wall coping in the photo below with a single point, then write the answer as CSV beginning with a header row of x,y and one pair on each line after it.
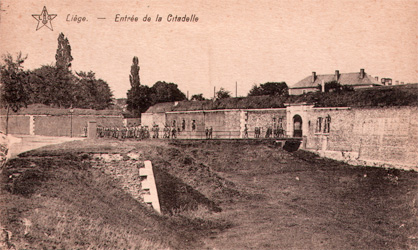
x,y
221,110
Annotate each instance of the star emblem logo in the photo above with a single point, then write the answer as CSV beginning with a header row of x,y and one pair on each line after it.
x,y
44,19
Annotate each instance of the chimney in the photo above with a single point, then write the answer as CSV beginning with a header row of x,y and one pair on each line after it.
x,y
361,73
337,75
323,86
313,76
377,78
402,83
397,82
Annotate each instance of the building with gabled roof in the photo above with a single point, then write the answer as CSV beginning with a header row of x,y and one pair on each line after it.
x,y
356,80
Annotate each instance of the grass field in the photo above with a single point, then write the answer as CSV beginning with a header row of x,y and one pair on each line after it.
x,y
217,195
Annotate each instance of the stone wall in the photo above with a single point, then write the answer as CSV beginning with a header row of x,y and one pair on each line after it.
x,y
18,124
56,125
224,123
264,119
124,168
386,136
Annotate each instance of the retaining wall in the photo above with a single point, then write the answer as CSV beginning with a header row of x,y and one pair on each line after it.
x,y
386,136
56,125
18,124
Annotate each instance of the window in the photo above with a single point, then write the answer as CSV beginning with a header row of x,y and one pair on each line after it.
x,y
327,124
323,125
318,128
280,123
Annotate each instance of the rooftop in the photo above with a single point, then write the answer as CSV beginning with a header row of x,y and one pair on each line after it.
x,y
353,79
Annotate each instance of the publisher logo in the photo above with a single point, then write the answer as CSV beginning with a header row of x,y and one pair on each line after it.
x,y
44,19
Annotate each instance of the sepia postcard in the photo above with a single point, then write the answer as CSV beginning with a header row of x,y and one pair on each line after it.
x,y
139,124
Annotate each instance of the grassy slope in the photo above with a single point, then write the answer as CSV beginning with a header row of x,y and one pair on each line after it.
x,y
270,199
300,201
53,198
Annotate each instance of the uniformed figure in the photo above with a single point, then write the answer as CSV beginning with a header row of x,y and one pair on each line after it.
x,y
193,125
268,132
173,133
245,131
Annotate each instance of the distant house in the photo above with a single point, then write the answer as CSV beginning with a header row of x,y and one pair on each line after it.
x,y
356,80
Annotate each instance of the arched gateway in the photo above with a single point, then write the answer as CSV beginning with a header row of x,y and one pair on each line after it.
x,y
297,126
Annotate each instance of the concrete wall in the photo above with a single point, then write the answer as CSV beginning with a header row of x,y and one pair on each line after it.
x,y
368,136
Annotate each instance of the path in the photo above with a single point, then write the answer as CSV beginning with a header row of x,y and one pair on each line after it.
x,y
23,143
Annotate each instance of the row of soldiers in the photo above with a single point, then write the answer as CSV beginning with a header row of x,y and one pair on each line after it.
x,y
142,132
270,133
134,132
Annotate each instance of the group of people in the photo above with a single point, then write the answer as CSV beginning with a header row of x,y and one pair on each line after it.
x,y
142,132
135,132
208,133
171,132
270,132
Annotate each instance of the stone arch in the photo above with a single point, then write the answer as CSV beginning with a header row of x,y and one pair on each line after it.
x,y
297,126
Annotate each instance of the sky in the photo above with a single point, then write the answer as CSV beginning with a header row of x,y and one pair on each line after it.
x,y
233,42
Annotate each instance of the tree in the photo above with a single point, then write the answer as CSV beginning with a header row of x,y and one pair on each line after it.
x,y
198,97
91,92
134,76
139,99
222,93
13,80
63,56
51,86
334,86
269,88
166,92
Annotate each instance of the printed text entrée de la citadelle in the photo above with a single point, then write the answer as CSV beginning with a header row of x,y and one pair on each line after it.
x,y
148,18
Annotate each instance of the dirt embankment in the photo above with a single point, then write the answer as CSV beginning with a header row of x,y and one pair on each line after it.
x,y
214,194
62,197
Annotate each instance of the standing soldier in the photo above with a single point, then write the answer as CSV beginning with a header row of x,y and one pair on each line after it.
x,y
245,131
173,133
193,125
157,131
210,133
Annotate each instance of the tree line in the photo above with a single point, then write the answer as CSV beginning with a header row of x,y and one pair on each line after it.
x,y
141,97
52,85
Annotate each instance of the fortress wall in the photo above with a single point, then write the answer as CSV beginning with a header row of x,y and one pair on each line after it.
x,y
61,125
376,136
18,124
